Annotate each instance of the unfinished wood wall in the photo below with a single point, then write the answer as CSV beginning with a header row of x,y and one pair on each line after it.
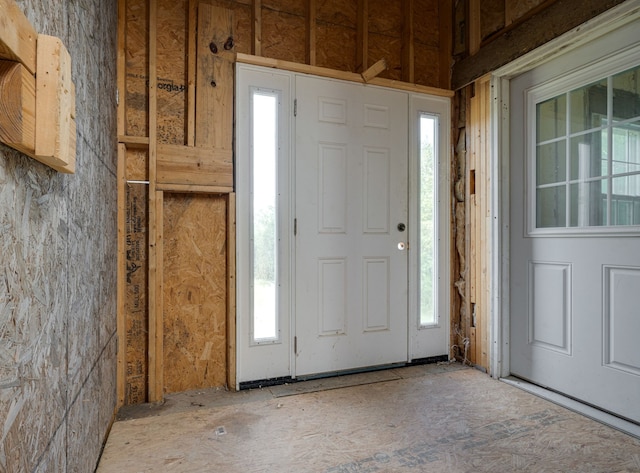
x,y
58,338
176,132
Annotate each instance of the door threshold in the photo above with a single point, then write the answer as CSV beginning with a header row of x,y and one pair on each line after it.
x,y
615,422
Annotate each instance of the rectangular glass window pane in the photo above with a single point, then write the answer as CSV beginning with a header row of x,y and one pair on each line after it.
x,y
626,94
551,119
588,156
264,238
588,204
427,219
588,106
625,200
626,148
551,166
551,207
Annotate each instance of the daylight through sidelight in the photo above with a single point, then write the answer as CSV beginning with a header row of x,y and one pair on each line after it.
x,y
427,209
264,233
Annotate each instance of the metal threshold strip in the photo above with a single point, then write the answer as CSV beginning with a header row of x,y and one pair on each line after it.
x,y
615,422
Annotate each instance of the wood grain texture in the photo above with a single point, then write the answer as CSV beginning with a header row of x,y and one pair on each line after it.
x,y
17,36
194,166
195,291
17,107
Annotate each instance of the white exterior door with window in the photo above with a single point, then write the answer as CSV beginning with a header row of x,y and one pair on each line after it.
x,y
575,224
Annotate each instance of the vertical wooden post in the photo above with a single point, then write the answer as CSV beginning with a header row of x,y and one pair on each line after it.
x,y
473,27
408,54
311,13
155,225
445,41
121,370
256,28
231,291
362,42
191,72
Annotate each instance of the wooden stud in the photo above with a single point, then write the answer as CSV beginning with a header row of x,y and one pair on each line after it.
x,y
408,50
191,72
508,12
156,370
231,291
121,370
17,107
256,28
474,34
311,14
374,70
214,83
17,36
362,41
122,66
445,40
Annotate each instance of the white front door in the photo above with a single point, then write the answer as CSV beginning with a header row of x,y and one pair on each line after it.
x,y
575,225
351,208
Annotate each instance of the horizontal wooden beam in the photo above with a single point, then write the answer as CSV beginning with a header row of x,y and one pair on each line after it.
x,y
191,166
559,18
341,75
17,107
17,36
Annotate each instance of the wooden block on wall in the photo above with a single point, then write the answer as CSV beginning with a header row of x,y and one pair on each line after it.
x,y
17,36
17,107
55,106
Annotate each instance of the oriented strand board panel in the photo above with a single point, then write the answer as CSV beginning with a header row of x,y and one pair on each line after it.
x,y
172,70
195,291
337,12
283,36
491,17
294,7
336,47
385,17
519,8
426,25
137,66
136,302
137,165
389,48
426,65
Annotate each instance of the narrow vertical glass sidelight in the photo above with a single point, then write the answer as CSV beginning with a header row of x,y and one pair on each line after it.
x,y
264,216
427,218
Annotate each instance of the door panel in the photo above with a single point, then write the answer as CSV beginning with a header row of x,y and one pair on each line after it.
x,y
351,192
574,274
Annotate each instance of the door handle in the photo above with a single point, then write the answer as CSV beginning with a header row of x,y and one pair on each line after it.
x,y
402,246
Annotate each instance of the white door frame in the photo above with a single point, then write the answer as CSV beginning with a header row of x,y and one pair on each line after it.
x,y
499,159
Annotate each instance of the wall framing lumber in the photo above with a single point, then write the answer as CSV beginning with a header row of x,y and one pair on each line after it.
x,y
445,42
559,18
192,48
408,49
341,75
121,278
17,107
375,70
362,41
17,36
256,28
231,291
192,166
311,19
155,387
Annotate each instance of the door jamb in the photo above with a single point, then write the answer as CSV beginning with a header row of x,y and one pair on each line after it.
x,y
499,159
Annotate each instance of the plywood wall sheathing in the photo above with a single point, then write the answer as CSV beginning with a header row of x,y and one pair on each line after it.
x,y
195,291
336,35
136,74
136,320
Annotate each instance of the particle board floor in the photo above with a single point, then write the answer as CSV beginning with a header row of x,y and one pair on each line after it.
x,y
434,418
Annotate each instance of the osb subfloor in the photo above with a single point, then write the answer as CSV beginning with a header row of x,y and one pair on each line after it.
x,y
437,418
